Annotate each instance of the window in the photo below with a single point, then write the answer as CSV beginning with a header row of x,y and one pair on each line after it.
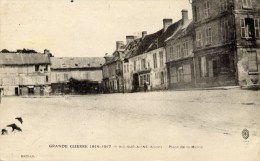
x,y
247,28
161,59
208,36
225,65
180,76
66,77
223,5
224,30
197,13
127,67
257,24
144,78
135,65
247,4
37,68
46,68
186,48
155,60
182,50
178,50
162,77
118,65
30,90
203,67
143,64
252,62
47,79
198,39
206,9
171,52
124,68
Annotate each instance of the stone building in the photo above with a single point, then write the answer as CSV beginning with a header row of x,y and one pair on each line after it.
x,y
247,39
130,50
179,55
226,48
76,75
113,70
148,60
25,73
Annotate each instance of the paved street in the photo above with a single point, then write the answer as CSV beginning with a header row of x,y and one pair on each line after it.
x,y
171,125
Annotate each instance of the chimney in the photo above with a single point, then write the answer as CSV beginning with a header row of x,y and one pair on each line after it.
x,y
129,39
119,44
184,16
48,53
166,23
144,33
106,57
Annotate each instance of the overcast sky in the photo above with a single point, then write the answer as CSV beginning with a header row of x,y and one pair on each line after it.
x,y
84,28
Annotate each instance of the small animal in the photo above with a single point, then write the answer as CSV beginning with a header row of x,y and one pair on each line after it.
x,y
4,132
14,127
19,119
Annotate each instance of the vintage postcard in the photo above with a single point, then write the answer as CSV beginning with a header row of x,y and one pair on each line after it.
x,y
130,80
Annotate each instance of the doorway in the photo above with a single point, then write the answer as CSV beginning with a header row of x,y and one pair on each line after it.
x,y
16,91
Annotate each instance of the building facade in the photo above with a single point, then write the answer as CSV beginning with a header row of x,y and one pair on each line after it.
x,y
247,39
148,60
226,46
113,81
76,75
25,73
180,57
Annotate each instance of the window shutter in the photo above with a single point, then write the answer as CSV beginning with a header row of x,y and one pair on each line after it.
x,y
243,29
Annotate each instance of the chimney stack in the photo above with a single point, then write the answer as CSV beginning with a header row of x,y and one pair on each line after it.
x,y
129,39
144,33
184,16
119,44
107,57
47,53
166,23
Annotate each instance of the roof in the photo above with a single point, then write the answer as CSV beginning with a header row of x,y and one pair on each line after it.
x,y
76,62
154,41
185,30
23,58
115,57
131,48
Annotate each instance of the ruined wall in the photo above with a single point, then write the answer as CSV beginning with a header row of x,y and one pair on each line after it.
x,y
245,77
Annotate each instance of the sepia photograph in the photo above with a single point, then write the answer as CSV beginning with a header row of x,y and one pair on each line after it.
x,y
130,80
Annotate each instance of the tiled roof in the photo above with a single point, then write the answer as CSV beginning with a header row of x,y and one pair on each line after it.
x,y
131,48
186,29
23,58
156,40
76,62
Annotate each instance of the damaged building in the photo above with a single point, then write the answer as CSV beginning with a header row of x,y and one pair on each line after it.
x,y
76,75
25,73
